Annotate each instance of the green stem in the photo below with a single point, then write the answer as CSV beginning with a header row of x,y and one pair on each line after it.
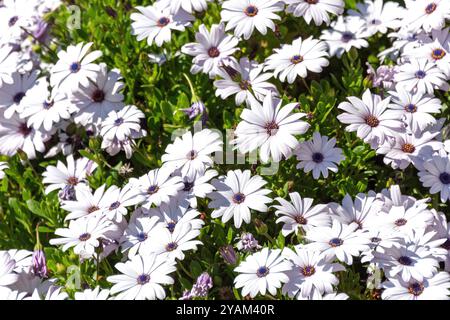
x,y
185,271
194,96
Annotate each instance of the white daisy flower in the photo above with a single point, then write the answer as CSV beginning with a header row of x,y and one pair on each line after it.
x,y
339,241
92,294
271,128
317,10
362,211
189,6
142,278
422,76
7,265
245,15
300,214
86,203
263,271
245,80
75,67
156,22
434,288
99,97
15,134
197,186
296,59
211,49
319,155
8,64
192,154
63,176
379,15
83,235
370,118
120,124
137,237
426,14
115,201
345,34
436,52
44,109
172,245
236,194
415,108
157,186
310,272
11,95
16,15
128,145
435,175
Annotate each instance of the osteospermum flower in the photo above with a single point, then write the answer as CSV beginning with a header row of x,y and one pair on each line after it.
x,y
245,80
115,201
310,272
426,14
379,16
211,49
192,154
156,22
157,186
271,128
15,16
263,271
345,34
415,108
422,76
300,214
142,278
75,66
15,134
67,176
434,51
245,16
8,64
83,235
11,95
121,124
319,155
435,175
403,220
295,59
197,186
98,98
86,203
237,193
137,237
370,118
43,109
340,240
434,288
317,10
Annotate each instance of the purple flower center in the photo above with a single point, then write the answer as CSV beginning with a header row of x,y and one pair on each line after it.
x,y
347,36
84,237
48,104
336,242
438,54
12,21
308,271
416,288
404,260
271,128
75,67
239,198
251,11
375,240
114,205
163,21
118,121
213,52
300,219
171,226
188,186
143,279
420,74
317,157
72,181
411,108
18,97
312,1
400,222
152,189
191,155
429,9
142,236
262,272
171,246
444,177
296,59
98,96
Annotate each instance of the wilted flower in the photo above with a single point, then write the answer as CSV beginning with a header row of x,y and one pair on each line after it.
x,y
228,254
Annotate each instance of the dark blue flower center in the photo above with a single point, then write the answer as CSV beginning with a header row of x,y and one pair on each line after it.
x,y
18,97
416,288
410,108
114,205
444,177
262,272
336,242
317,157
171,246
48,104
143,279
152,189
163,21
404,260
142,236
429,9
188,186
296,59
420,74
171,226
438,54
308,271
347,36
118,121
251,11
84,237
75,67
239,198
12,21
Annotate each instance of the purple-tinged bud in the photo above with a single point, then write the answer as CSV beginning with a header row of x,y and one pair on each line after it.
x,y
228,254
194,110
67,193
187,295
39,264
40,33
248,243
202,286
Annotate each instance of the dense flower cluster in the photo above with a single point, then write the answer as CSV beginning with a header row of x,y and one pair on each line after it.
x,y
153,221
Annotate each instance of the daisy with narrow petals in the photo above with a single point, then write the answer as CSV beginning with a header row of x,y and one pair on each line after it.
x,y
245,15
271,128
237,193
299,214
137,237
156,22
435,175
86,203
192,153
115,201
263,271
75,66
11,95
211,48
142,278
121,124
319,155
296,59
426,14
318,11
